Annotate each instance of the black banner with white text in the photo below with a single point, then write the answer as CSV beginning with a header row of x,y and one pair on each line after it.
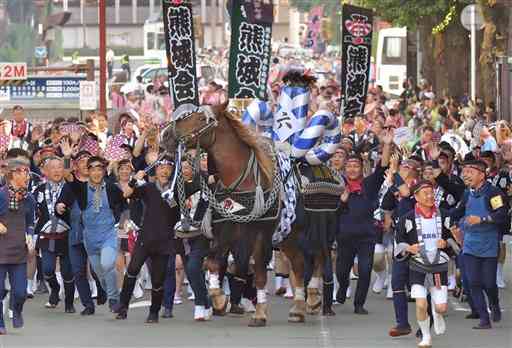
x,y
356,50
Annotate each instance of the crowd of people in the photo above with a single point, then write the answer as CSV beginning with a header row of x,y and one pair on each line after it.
x,y
427,215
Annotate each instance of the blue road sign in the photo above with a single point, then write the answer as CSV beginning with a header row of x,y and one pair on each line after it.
x,y
41,52
36,88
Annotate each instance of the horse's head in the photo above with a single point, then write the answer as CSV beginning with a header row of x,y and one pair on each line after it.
x,y
193,125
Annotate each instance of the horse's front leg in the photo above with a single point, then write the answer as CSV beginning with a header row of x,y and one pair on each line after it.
x,y
314,302
291,249
259,319
219,299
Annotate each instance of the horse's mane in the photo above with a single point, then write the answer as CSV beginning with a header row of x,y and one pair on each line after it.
x,y
249,137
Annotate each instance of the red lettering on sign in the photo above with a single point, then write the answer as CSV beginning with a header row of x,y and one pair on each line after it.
x,y
19,71
8,71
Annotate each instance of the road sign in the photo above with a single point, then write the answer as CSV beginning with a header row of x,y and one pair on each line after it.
x,y
44,88
88,100
40,52
13,71
466,15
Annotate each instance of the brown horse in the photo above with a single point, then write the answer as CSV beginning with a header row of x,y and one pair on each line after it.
x,y
230,145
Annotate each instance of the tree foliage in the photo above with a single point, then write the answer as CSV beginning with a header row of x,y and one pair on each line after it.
x,y
19,44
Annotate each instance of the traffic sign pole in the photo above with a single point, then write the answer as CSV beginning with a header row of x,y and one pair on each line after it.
x,y
473,54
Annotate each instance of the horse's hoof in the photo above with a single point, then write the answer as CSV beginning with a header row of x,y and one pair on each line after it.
x,y
220,308
296,318
314,308
257,322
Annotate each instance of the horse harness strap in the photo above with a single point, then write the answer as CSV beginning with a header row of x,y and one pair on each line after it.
x,y
245,174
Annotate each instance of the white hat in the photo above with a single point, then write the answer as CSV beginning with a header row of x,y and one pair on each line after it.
x,y
129,87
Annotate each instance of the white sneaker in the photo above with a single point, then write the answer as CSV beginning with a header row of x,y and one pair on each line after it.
x,y
353,276
177,300
289,293
248,306
389,292
500,281
191,297
137,291
208,314
378,284
199,313
11,314
349,291
425,343
77,295
452,283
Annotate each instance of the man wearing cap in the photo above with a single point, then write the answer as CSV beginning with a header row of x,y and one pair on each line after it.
x,y
17,216
101,204
422,238
52,232
21,128
480,214
356,228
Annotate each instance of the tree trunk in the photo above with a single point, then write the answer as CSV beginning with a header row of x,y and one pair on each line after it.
x,y
427,40
451,49
487,54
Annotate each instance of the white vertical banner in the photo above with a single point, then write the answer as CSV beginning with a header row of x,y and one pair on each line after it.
x,y
88,97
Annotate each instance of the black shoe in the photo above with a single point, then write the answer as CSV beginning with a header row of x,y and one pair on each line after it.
x,y
114,306
30,295
341,296
17,320
87,311
70,309
54,299
236,309
496,314
360,310
328,312
473,316
419,334
482,326
167,314
152,318
122,313
101,299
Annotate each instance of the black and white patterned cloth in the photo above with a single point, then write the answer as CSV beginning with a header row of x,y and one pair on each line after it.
x,y
289,199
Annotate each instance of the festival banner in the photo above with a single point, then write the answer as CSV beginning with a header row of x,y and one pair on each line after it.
x,y
356,51
180,47
314,24
249,61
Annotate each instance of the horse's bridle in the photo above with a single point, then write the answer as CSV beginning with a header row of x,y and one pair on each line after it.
x,y
186,111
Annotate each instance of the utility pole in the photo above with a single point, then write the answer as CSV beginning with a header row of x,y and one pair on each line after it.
x,y
103,56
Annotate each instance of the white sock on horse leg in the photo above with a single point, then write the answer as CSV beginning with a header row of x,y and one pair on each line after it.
x,y
214,281
261,295
314,283
300,294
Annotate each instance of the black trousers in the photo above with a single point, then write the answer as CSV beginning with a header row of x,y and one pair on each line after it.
x,y
347,250
158,268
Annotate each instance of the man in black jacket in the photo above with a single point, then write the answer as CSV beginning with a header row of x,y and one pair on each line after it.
x,y
155,239
357,233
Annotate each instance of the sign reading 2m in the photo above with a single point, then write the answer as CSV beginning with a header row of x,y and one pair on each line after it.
x,y
13,71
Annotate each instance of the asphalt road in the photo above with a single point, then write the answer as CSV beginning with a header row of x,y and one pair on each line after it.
x,y
54,329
